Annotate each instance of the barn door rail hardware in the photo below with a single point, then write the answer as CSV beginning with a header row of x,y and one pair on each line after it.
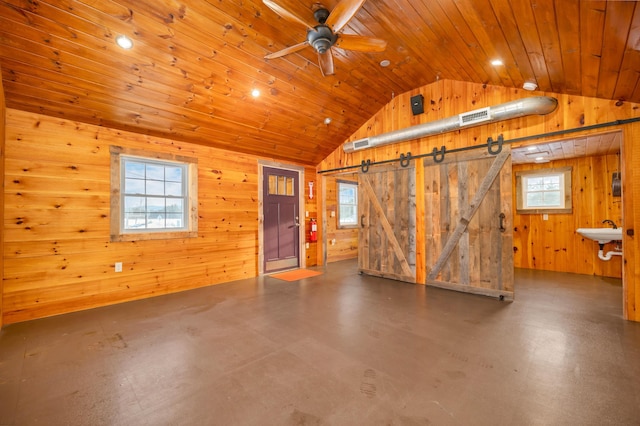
x,y
437,154
405,160
491,146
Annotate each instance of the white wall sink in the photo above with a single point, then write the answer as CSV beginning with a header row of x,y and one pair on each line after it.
x,y
601,235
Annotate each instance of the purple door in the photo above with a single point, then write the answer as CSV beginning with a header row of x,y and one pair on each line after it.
x,y
281,219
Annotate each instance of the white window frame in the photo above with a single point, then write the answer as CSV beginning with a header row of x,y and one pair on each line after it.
x,y
354,222
190,188
522,177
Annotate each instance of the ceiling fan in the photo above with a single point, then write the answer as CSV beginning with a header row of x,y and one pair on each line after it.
x,y
325,33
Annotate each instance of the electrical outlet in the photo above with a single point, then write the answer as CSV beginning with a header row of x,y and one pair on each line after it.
x,y
333,242
118,267
307,246
333,213
545,217
306,213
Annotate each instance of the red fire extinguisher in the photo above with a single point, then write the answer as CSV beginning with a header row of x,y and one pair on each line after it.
x,y
313,235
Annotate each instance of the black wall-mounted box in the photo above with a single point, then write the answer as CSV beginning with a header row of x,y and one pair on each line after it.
x,y
417,104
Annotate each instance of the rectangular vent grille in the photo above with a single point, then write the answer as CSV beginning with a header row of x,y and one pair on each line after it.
x,y
476,116
363,143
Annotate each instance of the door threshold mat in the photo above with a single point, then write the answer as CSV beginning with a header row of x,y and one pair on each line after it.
x,y
296,274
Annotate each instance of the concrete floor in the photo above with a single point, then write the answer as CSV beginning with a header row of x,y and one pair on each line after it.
x,y
336,349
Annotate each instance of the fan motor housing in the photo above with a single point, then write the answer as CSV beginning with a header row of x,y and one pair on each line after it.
x,y
321,38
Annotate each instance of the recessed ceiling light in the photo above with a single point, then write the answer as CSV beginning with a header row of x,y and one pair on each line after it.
x,y
385,63
497,62
255,93
124,42
327,121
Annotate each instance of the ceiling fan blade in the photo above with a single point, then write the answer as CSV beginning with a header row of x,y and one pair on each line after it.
x,y
342,14
286,51
325,60
287,15
360,43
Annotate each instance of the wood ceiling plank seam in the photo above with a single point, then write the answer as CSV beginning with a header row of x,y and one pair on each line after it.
x,y
95,94
580,147
148,94
481,64
482,21
523,14
457,52
253,69
385,82
128,115
629,78
505,16
153,133
569,149
339,57
617,24
546,24
463,30
105,97
223,140
592,145
592,18
413,40
419,23
312,81
396,82
555,148
568,29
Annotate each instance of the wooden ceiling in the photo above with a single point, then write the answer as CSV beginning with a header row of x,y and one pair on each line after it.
x,y
588,146
194,63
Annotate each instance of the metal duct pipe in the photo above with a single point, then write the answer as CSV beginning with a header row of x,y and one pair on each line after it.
x,y
539,105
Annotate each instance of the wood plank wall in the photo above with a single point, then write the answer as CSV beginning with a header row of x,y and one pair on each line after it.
x,y
346,245
3,114
554,244
58,256
446,98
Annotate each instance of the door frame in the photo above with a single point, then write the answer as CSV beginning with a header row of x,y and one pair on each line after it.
x,y
301,209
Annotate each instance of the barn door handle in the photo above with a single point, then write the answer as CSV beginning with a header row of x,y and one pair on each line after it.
x,y
362,221
297,221
502,218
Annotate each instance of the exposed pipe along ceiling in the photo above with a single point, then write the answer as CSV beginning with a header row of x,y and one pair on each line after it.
x,y
539,105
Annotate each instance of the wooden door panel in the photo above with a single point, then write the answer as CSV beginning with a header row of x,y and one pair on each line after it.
x,y
387,234
281,219
466,249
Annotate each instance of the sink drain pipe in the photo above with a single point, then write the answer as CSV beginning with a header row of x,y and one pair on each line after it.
x,y
609,255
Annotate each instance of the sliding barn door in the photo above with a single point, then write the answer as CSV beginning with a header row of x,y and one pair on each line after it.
x,y
468,223
387,209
